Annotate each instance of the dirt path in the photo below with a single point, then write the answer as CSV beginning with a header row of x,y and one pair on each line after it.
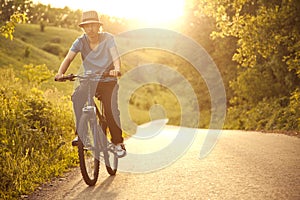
x,y
243,165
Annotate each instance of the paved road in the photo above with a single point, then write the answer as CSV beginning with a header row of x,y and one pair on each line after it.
x,y
243,165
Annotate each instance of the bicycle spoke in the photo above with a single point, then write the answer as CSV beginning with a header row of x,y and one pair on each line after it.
x,y
87,149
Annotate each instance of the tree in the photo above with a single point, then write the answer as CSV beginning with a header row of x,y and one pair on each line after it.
x,y
221,50
268,51
12,12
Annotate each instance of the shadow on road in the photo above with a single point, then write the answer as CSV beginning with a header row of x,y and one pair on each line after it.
x,y
99,191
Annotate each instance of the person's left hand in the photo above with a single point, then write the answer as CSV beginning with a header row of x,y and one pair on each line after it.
x,y
114,73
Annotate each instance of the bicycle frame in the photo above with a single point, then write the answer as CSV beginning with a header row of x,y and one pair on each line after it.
x,y
93,126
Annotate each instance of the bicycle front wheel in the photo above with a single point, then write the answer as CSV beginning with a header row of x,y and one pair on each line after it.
x,y
109,153
88,148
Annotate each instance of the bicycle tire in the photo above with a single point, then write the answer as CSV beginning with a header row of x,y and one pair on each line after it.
x,y
88,149
109,153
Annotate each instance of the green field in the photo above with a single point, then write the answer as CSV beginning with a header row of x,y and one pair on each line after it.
x,y
29,38
37,123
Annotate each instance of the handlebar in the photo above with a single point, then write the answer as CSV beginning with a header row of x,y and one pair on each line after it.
x,y
71,77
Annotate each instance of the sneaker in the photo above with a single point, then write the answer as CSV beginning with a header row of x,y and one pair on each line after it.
x,y
75,141
120,150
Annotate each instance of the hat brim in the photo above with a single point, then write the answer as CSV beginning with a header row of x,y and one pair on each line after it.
x,y
90,22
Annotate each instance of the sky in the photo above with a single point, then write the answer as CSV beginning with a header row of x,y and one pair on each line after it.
x,y
152,11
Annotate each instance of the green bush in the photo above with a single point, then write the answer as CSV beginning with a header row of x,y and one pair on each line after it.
x,y
53,48
36,128
27,52
269,114
56,40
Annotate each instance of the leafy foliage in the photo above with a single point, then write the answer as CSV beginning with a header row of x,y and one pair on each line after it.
x,y
10,7
36,75
8,29
268,37
12,12
35,129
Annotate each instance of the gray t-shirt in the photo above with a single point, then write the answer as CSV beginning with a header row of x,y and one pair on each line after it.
x,y
99,59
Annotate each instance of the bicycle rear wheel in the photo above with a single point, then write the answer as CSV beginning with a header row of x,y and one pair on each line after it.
x,y
88,148
109,153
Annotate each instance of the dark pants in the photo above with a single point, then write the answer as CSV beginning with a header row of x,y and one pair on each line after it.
x,y
109,97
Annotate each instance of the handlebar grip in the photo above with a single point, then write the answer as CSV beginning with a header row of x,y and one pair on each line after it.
x,y
70,77
106,74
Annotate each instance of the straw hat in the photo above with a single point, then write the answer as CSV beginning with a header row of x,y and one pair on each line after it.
x,y
90,17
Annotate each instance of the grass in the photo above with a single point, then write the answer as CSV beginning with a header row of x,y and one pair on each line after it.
x,y
32,35
28,36
146,101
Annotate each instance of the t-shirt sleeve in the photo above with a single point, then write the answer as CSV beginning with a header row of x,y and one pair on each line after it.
x,y
76,46
110,41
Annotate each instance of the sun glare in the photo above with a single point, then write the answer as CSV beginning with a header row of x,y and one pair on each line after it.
x,y
150,12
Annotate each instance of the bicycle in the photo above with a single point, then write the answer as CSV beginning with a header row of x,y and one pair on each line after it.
x,y
93,144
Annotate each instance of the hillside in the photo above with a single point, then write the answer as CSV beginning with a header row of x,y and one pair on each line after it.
x,y
29,38
31,41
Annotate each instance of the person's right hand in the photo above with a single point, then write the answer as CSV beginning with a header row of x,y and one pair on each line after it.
x,y
58,76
